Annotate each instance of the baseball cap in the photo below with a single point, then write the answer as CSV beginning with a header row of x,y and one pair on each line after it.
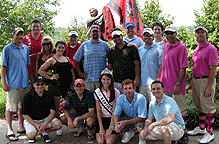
x,y
128,24
95,27
172,29
17,30
202,27
79,81
73,33
148,30
39,79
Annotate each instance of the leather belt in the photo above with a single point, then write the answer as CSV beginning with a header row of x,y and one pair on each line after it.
x,y
200,77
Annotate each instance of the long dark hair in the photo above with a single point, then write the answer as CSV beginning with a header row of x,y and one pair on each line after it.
x,y
111,86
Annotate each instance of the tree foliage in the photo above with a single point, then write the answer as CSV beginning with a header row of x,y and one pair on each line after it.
x,y
20,13
210,18
151,12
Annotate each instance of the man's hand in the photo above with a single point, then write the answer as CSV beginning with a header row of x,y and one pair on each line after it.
x,y
108,133
43,127
119,126
176,89
5,87
70,124
75,123
102,133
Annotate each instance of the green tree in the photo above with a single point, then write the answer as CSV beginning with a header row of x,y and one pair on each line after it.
x,y
209,17
151,12
20,13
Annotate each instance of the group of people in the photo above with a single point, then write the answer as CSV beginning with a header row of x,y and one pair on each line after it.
x,y
141,88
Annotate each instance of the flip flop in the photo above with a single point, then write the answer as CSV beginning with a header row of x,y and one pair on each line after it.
x,y
77,134
21,132
90,137
11,137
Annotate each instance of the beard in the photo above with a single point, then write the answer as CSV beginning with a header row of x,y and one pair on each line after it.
x,y
95,36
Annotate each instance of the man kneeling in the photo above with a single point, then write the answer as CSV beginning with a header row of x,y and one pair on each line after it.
x,y
169,123
38,110
83,103
135,107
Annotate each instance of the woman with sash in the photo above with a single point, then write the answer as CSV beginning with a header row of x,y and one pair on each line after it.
x,y
106,96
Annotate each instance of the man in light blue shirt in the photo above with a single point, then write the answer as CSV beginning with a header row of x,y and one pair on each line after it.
x,y
158,29
131,37
151,57
15,59
93,52
134,106
169,123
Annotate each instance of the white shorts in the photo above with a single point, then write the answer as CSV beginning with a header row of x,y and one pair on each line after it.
x,y
30,128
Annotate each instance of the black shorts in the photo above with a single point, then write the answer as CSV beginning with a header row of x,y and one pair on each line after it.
x,y
58,91
106,124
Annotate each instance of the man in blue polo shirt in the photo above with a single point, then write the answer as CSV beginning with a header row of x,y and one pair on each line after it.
x,y
94,53
151,56
131,37
15,59
169,123
134,106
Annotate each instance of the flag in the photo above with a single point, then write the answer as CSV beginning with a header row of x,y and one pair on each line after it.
x,y
108,24
128,12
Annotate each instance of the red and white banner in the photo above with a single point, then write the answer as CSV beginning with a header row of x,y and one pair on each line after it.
x,y
128,12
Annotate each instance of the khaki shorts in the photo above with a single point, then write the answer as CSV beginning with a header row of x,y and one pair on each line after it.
x,y
91,86
204,104
175,130
30,128
146,91
14,98
180,100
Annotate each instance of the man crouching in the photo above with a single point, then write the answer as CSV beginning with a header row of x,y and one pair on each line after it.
x,y
38,110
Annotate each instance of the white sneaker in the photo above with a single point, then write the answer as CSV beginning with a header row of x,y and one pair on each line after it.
x,y
59,132
74,130
207,138
197,131
141,141
127,136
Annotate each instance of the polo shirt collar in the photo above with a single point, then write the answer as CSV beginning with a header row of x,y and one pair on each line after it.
x,y
95,43
132,38
205,45
16,47
162,101
174,45
122,47
150,46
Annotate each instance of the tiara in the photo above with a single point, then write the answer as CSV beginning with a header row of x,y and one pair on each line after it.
x,y
106,71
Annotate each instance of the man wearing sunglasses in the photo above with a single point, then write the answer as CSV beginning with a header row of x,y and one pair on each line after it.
x,y
38,110
151,56
33,41
94,52
173,73
123,60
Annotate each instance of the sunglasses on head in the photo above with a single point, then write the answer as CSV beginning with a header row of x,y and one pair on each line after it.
x,y
116,36
40,84
171,33
95,27
44,44
147,35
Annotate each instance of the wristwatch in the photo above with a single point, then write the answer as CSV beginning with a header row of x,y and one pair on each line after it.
x,y
178,83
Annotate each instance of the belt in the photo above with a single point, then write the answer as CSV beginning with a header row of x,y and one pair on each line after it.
x,y
200,77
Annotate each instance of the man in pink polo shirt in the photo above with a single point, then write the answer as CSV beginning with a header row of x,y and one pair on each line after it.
x,y
205,61
173,73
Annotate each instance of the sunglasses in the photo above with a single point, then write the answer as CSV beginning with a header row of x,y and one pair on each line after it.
x,y
116,36
44,44
42,84
147,35
95,27
171,33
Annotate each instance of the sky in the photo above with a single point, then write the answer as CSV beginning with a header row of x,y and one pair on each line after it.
x,y
181,9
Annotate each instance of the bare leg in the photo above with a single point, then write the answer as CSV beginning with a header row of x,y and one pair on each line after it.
x,y
166,135
32,135
57,103
8,115
111,139
20,120
56,125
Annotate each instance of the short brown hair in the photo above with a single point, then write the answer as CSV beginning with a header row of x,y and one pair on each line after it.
x,y
36,21
127,82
